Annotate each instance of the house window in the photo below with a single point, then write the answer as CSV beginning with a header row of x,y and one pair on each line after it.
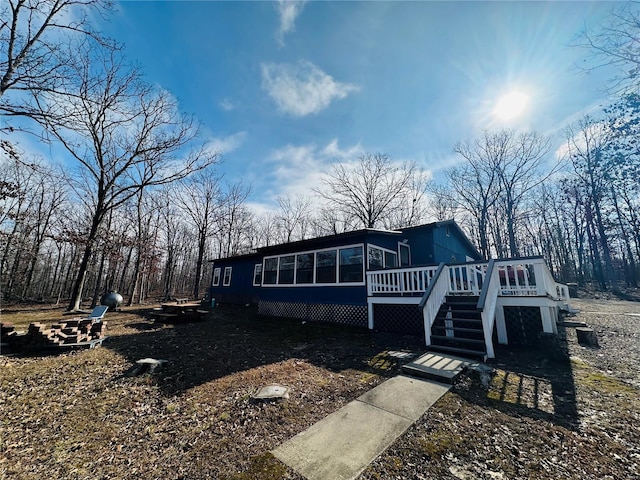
x,y
226,281
286,270
376,258
390,260
304,268
270,271
381,258
315,267
216,277
351,265
405,254
257,274
326,266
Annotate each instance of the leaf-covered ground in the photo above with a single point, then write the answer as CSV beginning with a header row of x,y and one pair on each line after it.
x,y
77,415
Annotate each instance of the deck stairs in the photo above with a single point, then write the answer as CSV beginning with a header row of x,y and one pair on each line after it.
x,y
457,328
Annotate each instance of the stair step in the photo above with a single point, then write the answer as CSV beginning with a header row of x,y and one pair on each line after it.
x,y
458,329
458,339
458,310
457,319
462,299
459,351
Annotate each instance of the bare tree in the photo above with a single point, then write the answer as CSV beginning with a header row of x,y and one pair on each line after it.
x,y
519,173
32,36
293,217
125,136
614,43
369,190
442,204
198,197
586,144
232,219
475,182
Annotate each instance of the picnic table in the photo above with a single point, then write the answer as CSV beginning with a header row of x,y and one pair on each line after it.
x,y
180,309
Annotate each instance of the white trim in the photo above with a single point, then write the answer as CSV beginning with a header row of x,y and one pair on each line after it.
x,y
215,282
398,300
337,283
227,281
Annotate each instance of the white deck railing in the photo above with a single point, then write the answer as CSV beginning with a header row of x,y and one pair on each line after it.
x,y
517,277
403,281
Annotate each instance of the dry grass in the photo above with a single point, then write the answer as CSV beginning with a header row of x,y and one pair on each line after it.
x,y
77,416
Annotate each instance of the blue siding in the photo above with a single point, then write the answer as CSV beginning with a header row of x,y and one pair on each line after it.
x,y
385,240
420,241
435,243
241,289
339,295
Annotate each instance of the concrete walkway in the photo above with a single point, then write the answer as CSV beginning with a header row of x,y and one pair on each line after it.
x,y
340,446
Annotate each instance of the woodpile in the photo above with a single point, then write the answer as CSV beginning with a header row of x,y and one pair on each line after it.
x,y
69,333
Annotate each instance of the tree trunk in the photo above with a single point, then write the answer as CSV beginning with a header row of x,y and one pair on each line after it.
x,y
201,245
78,286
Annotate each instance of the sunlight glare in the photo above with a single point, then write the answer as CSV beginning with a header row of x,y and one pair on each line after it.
x,y
511,105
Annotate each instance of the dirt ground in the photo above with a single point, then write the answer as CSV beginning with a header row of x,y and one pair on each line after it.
x,y
569,413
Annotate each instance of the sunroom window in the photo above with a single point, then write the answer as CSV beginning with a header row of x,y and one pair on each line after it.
x,y
270,271
390,260
304,268
326,266
286,269
376,258
351,265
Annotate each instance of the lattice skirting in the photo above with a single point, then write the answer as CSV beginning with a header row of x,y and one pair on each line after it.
x,y
355,315
524,325
398,318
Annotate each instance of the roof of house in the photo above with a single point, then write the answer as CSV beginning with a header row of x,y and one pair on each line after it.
x,y
310,242
346,236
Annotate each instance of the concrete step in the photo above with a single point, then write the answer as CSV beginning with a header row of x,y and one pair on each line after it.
x,y
440,367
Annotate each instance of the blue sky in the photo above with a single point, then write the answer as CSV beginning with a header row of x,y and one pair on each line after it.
x,y
285,89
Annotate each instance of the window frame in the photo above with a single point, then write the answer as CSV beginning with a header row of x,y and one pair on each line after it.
x,y
408,247
315,283
384,257
226,281
257,275
215,282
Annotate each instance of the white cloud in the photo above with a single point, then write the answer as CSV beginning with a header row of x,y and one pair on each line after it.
x,y
227,105
288,10
301,89
227,144
298,169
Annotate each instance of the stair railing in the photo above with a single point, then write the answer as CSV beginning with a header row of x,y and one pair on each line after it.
x,y
487,305
433,298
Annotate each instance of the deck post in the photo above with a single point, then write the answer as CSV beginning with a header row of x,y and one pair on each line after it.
x,y
548,320
370,314
501,326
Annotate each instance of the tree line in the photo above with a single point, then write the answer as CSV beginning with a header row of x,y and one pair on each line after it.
x,y
145,207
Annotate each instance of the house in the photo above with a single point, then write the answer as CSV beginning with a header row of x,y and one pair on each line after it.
x,y
427,280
